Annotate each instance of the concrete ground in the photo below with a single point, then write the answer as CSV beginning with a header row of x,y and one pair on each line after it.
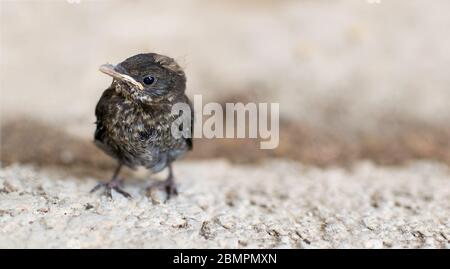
x,y
279,204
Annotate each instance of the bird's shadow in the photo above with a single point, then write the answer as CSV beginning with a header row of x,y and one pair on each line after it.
x,y
30,141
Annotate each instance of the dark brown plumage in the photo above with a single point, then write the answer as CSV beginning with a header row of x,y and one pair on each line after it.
x,y
134,116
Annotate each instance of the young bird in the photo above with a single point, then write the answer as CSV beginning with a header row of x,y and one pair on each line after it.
x,y
134,117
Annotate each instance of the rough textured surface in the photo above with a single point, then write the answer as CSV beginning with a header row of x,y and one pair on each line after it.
x,y
277,205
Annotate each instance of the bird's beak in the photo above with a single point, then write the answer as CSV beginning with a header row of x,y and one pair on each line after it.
x,y
112,71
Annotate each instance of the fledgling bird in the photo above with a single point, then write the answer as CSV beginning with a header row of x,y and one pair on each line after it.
x,y
134,117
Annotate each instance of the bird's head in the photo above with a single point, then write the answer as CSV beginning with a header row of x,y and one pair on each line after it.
x,y
147,78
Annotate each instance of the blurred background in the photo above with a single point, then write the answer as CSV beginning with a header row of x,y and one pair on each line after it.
x,y
355,79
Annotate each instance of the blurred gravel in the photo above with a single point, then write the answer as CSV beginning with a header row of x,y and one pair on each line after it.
x,y
277,205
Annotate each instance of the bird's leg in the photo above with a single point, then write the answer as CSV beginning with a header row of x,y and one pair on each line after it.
x,y
168,184
113,184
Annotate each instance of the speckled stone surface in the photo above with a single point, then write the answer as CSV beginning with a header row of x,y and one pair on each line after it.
x,y
279,204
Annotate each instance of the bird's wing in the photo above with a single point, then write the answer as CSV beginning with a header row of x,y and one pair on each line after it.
x,y
100,113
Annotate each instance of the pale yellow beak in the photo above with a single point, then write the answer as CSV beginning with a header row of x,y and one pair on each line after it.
x,y
110,70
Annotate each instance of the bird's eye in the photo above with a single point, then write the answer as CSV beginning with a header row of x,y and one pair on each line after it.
x,y
149,80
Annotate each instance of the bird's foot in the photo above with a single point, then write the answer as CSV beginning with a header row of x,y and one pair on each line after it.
x,y
167,185
109,186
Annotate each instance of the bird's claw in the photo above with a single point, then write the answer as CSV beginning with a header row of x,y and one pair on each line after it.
x,y
112,185
167,185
